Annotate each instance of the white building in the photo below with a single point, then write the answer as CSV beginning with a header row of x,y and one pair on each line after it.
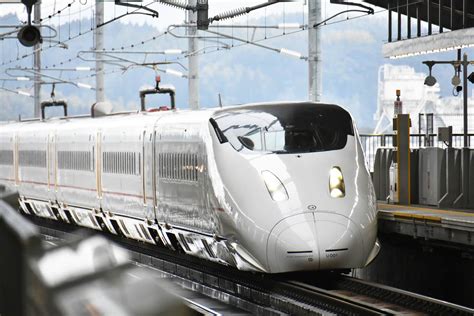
x,y
417,98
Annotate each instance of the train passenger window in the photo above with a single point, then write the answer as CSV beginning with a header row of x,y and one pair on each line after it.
x,y
121,163
75,160
32,158
285,128
6,157
178,166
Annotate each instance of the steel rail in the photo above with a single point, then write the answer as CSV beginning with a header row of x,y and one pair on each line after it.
x,y
400,297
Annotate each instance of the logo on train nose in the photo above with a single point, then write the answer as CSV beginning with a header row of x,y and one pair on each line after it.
x,y
312,207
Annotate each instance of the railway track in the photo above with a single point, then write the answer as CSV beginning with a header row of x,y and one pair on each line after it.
x,y
301,294
392,299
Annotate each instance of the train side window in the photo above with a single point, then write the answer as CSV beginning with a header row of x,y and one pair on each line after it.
x,y
195,166
114,157
178,168
139,163
134,164
175,167
181,167
186,164
32,158
105,162
6,157
73,160
122,163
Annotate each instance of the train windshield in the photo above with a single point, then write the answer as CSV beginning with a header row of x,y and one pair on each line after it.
x,y
285,128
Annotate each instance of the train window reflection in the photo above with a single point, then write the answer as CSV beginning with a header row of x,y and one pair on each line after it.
x,y
253,140
286,128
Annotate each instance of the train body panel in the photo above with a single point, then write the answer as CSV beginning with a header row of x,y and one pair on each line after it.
x,y
73,157
265,187
8,172
183,186
303,225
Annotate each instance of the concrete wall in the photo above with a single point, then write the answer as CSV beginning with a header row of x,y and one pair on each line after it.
x,y
413,265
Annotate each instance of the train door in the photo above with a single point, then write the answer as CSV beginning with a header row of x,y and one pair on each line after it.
x,y
148,179
51,164
159,163
98,167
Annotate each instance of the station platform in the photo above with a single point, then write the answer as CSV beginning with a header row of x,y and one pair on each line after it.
x,y
454,227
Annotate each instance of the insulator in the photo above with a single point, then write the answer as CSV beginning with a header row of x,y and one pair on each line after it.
x,y
181,4
231,14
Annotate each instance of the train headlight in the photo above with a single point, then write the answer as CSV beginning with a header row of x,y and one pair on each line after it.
x,y
337,188
274,186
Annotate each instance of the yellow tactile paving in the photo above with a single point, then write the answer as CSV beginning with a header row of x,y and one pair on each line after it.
x,y
409,209
417,216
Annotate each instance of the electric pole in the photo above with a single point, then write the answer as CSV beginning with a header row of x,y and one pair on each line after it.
x,y
193,46
314,43
37,64
99,46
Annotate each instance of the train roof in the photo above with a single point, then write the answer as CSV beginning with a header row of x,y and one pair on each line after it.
x,y
189,116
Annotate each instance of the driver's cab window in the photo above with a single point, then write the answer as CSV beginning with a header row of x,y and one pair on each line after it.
x,y
274,140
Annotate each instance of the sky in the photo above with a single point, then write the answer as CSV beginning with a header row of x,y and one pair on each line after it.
x,y
168,15
351,58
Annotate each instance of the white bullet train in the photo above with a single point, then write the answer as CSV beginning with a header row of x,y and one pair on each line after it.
x,y
270,187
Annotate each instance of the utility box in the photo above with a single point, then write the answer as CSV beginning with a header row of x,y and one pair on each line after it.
x,y
430,175
445,134
393,183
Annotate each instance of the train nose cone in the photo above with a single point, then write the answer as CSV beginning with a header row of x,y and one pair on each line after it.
x,y
314,241
293,245
340,243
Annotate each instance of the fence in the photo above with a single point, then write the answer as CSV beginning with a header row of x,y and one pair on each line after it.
x,y
370,143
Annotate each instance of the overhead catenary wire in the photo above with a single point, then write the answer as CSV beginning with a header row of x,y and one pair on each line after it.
x,y
53,46
205,51
80,34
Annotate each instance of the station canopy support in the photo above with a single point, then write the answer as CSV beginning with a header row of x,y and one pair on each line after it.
x,y
418,27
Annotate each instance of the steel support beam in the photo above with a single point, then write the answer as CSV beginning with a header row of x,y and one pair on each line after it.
x,y
418,21
99,46
314,55
465,150
193,66
408,20
37,65
389,23
399,21
428,16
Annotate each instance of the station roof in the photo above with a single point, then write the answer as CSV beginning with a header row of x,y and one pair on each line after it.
x,y
457,12
456,20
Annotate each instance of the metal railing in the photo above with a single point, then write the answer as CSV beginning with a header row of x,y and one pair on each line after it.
x,y
370,143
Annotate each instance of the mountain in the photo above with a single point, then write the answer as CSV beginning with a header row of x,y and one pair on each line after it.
x,y
351,59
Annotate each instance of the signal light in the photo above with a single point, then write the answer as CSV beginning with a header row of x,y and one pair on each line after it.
x,y
29,35
430,81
